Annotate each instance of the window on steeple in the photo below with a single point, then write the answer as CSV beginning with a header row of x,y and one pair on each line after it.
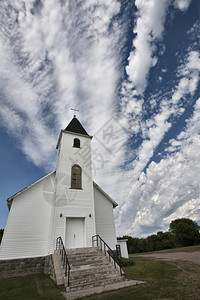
x,y
76,143
76,180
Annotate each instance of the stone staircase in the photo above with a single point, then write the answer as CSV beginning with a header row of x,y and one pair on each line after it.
x,y
90,268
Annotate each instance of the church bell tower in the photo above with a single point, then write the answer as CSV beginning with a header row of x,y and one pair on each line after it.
x,y
74,217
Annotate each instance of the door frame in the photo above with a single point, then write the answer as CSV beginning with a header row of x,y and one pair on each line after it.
x,y
84,229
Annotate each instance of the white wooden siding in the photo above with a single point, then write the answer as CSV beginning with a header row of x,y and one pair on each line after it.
x,y
38,214
27,228
105,225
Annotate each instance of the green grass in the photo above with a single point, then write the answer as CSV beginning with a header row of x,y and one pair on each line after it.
x,y
160,277
165,280
31,287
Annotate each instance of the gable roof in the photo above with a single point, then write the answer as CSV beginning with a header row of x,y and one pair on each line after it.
x,y
76,127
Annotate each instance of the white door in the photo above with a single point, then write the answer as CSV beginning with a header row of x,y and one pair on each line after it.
x,y
74,233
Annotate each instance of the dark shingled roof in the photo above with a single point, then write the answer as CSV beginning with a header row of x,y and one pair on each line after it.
x,y
76,127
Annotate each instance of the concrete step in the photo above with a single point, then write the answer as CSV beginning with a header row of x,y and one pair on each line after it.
x,y
93,273
85,270
91,261
82,250
95,283
80,255
92,277
100,289
93,268
85,257
90,268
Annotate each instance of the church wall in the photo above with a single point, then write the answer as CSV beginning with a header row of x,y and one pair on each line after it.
x,y
105,226
27,229
74,202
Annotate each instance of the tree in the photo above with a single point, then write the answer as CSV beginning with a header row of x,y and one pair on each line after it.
x,y
165,240
153,243
185,232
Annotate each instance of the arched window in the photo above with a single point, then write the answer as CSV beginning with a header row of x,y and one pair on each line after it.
x,y
76,143
76,177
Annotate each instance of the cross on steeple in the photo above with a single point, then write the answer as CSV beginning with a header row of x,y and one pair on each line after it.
x,y
75,110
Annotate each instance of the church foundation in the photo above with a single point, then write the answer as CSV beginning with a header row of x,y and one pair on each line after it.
x,y
26,266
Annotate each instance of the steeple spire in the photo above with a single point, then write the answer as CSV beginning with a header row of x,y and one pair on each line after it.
x,y
76,127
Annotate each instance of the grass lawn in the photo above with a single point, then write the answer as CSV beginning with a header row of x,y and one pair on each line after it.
x,y
165,280
31,287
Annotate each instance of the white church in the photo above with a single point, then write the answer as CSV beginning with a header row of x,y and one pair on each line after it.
x,y
65,203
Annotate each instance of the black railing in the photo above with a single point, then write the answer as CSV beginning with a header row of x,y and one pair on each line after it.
x,y
107,251
66,266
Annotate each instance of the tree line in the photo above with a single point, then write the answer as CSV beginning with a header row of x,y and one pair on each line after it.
x,y
182,232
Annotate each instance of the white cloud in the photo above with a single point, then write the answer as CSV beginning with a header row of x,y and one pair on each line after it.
x,y
61,56
149,28
182,4
9,116
21,109
148,192
170,188
155,128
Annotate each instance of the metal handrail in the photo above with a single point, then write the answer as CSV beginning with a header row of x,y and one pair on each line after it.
x,y
101,244
60,246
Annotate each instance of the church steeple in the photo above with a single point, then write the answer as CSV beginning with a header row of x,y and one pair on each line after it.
x,y
76,127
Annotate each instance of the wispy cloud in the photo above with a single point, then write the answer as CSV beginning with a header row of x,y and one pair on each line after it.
x,y
55,56
161,180
148,30
171,188
182,4
138,211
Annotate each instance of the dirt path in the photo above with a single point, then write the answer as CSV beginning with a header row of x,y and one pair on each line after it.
x,y
189,256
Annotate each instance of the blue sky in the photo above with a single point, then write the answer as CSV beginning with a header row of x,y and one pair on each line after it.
x,y
132,69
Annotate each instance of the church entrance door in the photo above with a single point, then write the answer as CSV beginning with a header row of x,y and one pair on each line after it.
x,y
74,233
